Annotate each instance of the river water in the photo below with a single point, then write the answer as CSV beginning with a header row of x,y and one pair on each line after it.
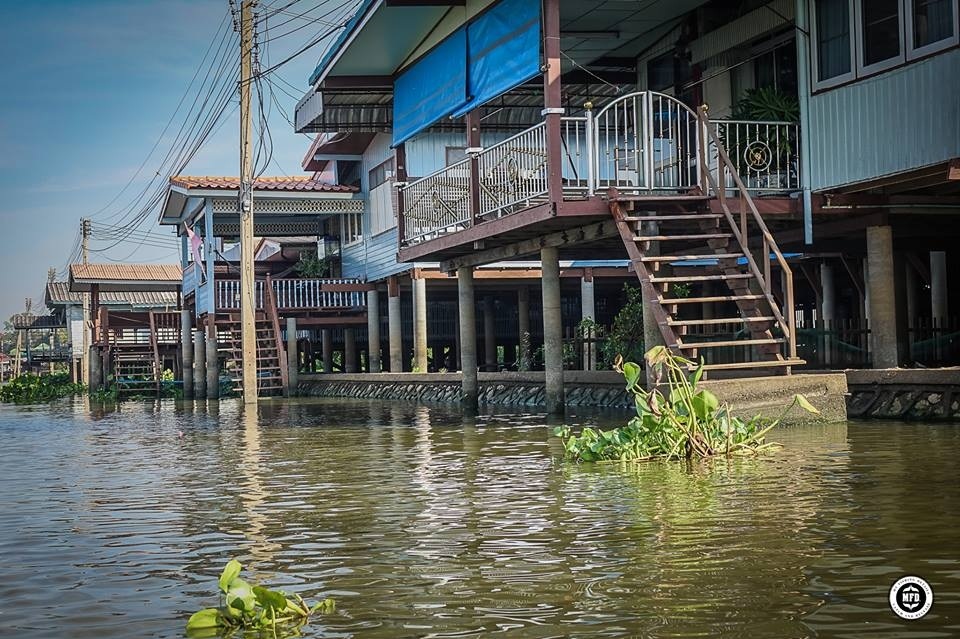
x,y
423,524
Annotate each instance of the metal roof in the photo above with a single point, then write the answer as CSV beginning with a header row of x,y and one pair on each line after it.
x,y
125,277
59,294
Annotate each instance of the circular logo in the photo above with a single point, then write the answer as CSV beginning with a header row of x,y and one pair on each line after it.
x,y
911,597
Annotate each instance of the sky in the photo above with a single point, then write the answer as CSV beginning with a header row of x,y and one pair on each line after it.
x,y
88,87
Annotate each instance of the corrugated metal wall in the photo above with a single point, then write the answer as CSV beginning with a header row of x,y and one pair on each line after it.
x,y
897,121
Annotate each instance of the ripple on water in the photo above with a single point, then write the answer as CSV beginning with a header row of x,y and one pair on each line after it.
x,y
423,523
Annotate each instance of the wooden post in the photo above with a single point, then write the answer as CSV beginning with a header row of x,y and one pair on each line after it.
x,y
293,359
85,354
552,101
473,142
248,327
400,160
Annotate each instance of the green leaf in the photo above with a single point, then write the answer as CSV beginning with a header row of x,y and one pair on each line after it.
x,y
325,607
206,618
631,371
230,572
270,598
803,403
705,404
240,596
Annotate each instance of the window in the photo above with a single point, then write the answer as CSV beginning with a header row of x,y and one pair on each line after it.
x,y
777,68
380,174
880,42
350,228
931,25
660,72
833,43
455,153
381,198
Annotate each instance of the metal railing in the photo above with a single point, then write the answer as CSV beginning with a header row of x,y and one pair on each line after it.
x,y
296,294
438,203
513,173
764,154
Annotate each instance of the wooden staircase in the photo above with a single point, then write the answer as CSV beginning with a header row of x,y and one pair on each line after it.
x,y
135,370
734,279
271,356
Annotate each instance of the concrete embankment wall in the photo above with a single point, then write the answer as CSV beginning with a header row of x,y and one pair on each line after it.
x,y
602,389
920,394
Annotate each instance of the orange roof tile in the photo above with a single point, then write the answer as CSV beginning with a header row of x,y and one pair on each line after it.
x,y
293,183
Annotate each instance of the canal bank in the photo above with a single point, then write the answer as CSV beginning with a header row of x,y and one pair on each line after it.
x,y
599,389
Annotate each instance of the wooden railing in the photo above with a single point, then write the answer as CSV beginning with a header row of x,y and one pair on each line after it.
x,y
296,294
748,215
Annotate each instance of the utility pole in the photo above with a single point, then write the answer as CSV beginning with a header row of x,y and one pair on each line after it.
x,y
248,326
85,355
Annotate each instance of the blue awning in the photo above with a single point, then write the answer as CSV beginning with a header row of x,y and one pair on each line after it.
x,y
503,47
433,88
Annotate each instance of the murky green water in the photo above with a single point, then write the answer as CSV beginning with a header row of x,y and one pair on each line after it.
x,y
423,525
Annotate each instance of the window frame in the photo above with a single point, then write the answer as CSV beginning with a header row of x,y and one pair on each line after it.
x,y
864,69
843,78
914,52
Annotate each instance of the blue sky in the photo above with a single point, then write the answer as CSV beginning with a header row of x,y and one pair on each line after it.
x,y
87,89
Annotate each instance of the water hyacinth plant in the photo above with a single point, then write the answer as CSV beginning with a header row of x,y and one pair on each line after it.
x,y
253,608
32,389
686,422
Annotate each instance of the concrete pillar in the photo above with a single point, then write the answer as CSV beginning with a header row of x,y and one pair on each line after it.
x,y
523,328
552,330
350,350
326,346
95,373
882,306
213,363
373,330
828,304
468,337
419,287
395,323
293,357
489,336
912,292
939,304
200,364
588,311
186,352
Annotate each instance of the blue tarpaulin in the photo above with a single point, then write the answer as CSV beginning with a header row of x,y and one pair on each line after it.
x,y
480,61
503,51
433,88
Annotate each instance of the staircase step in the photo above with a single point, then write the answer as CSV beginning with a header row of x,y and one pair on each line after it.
x,y
714,298
763,364
734,342
701,278
692,236
719,320
688,258
672,218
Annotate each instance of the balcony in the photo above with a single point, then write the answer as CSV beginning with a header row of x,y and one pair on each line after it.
x,y
643,144
297,294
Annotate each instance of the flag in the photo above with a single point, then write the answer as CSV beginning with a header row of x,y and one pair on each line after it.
x,y
195,243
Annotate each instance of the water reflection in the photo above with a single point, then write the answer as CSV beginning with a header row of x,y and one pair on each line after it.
x,y
424,523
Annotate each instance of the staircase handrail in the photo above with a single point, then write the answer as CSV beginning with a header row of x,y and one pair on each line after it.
x,y
718,185
270,304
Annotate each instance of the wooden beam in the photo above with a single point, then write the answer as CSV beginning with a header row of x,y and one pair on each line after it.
x,y
579,235
343,320
953,169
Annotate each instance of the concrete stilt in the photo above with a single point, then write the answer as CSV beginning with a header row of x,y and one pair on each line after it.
x,y
293,357
419,287
882,306
828,303
588,312
95,373
489,336
350,350
939,304
326,347
395,325
213,362
523,328
552,330
468,337
186,352
373,330
200,364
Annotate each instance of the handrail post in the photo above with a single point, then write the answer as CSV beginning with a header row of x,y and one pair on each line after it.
x,y
592,160
473,143
400,169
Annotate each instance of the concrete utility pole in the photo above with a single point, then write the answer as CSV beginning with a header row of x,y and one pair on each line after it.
x,y
248,326
85,355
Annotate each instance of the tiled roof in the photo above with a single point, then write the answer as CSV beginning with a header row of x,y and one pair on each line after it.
x,y
59,293
293,184
127,272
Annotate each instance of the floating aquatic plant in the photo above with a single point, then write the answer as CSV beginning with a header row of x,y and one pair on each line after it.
x,y
32,389
253,608
686,422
